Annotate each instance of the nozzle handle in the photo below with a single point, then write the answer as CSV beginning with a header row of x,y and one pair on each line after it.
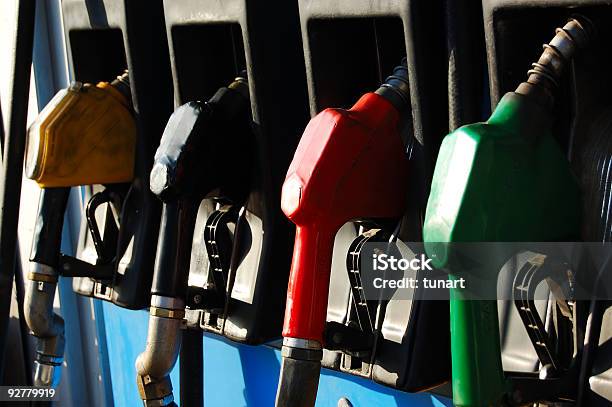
x,y
309,282
177,150
195,143
298,383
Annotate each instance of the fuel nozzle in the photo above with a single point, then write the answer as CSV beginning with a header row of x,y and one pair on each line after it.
x,y
196,130
505,180
204,148
85,135
59,153
331,181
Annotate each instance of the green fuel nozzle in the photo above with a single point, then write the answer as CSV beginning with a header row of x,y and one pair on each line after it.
x,y
505,180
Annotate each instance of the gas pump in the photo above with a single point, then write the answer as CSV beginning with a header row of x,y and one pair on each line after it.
x,y
505,180
119,228
197,158
380,340
240,253
85,135
247,246
98,136
329,182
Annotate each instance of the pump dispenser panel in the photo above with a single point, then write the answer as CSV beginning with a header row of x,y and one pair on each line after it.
x,y
241,248
468,204
103,40
579,117
340,75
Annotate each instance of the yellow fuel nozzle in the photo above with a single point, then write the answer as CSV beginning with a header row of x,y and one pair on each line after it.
x,y
85,135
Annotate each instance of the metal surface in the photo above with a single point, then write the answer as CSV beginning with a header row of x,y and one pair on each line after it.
x,y
13,146
466,62
155,363
167,302
301,343
543,79
44,323
47,326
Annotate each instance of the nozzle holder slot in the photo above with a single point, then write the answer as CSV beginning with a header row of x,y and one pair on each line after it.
x,y
352,56
104,39
208,50
89,65
206,57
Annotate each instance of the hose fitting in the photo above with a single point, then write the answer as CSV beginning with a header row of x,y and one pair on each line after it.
x,y
163,344
396,88
46,325
300,371
543,79
122,84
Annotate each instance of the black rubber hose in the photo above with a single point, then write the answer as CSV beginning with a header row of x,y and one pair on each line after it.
x,y
396,89
174,249
47,239
13,147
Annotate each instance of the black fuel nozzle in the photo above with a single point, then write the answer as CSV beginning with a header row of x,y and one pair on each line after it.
x,y
204,148
203,138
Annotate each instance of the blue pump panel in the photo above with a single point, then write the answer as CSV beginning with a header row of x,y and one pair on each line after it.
x,y
237,375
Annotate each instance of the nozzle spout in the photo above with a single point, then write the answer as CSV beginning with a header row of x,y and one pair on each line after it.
x,y
46,325
299,375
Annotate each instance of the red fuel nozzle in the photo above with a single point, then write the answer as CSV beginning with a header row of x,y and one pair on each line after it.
x,y
349,164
